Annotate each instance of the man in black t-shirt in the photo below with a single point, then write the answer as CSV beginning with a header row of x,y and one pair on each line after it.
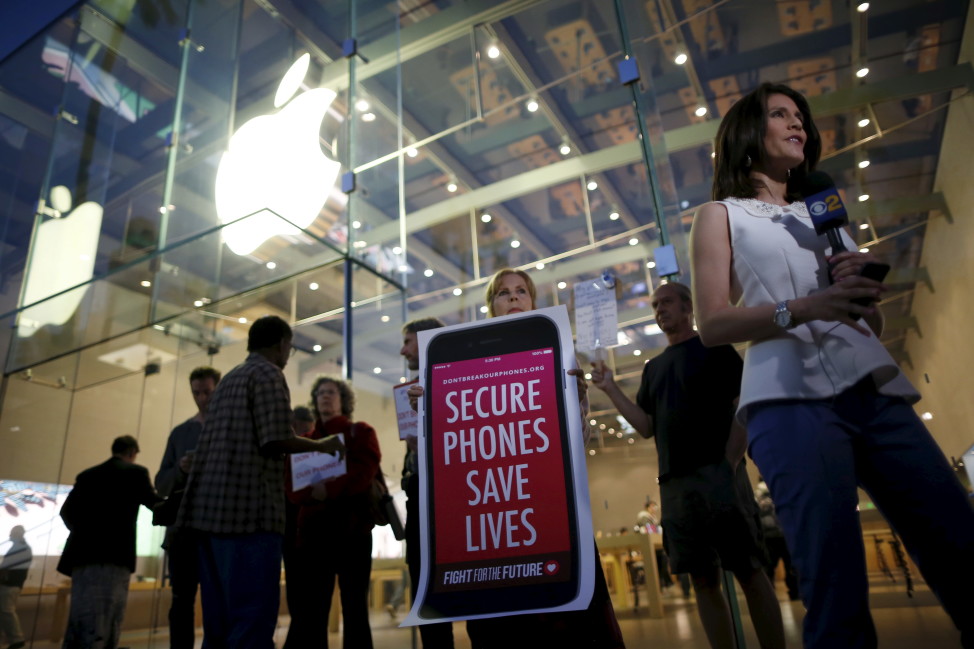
x,y
687,400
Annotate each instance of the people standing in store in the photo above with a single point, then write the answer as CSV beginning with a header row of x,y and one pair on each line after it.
x,y
180,546
99,555
13,574
826,407
686,401
434,636
234,498
335,526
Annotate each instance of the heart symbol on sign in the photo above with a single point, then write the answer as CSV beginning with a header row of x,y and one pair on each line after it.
x,y
551,567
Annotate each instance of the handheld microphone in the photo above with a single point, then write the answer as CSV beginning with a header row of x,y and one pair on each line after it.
x,y
826,208
828,216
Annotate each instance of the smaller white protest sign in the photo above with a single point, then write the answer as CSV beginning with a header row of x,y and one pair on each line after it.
x,y
310,468
596,316
407,418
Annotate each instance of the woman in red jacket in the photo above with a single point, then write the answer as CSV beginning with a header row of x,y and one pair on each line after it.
x,y
334,535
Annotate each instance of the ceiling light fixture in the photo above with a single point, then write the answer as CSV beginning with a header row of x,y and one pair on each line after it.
x,y
863,226
412,152
271,265
863,164
451,187
680,58
428,272
592,185
485,217
863,198
532,105
862,7
362,105
562,285
515,244
864,122
861,72
650,264
313,286
458,291
701,111
493,51
614,215
539,265
864,250
368,117
317,348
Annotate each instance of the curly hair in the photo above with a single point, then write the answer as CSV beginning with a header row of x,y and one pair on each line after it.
x,y
344,390
741,137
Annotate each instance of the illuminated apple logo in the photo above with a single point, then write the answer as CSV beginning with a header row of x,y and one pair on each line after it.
x,y
275,166
63,255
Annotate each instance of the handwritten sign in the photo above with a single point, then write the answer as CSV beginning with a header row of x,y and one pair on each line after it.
x,y
310,468
596,316
407,418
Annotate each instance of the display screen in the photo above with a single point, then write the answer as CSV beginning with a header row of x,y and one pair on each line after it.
x,y
497,450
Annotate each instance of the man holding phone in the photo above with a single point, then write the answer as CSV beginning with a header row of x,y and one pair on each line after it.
x,y
177,460
687,401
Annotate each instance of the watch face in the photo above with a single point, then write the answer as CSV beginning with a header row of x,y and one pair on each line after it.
x,y
782,318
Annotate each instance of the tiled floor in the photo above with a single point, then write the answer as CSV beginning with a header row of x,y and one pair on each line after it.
x,y
902,622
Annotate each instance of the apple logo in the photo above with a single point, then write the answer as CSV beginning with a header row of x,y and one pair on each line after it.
x,y
63,255
274,167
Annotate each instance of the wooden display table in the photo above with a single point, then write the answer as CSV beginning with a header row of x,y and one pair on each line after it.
x,y
617,551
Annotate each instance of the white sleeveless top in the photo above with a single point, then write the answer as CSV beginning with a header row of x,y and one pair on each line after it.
x,y
777,256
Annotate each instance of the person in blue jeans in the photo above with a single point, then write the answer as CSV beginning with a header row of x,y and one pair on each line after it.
x,y
827,410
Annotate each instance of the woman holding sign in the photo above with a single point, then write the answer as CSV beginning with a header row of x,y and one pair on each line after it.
x,y
827,409
508,292
335,526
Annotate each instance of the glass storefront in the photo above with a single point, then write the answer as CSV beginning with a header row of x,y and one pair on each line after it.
x,y
171,171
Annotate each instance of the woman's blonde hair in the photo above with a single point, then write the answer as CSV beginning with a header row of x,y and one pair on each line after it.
x,y
494,285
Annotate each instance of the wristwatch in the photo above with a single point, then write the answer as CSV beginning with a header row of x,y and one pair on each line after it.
x,y
783,317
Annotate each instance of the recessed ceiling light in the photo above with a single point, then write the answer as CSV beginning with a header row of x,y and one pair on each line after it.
x,y
317,348
701,111
861,72
864,122
412,152
592,422
458,291
864,164
592,185
493,52
863,198
539,265
198,303
384,318
532,105
377,370
613,216
864,250
428,272
650,264
591,451
515,244
451,187
483,309
362,105
313,286
356,225
633,241
565,149
485,217
271,265
368,117
242,320
862,7
927,416
863,226
397,250
637,352
145,283
680,58
562,285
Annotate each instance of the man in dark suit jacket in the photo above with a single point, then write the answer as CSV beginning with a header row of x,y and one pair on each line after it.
x,y
99,556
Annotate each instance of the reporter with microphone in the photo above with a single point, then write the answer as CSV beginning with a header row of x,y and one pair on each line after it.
x,y
826,408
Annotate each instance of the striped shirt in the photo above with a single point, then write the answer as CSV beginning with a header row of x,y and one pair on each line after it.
x,y
232,488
